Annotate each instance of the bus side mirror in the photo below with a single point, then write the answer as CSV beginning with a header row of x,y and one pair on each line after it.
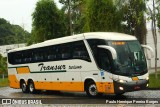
x,y
111,49
150,49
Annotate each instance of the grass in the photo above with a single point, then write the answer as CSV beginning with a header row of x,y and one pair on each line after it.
x,y
153,82
3,82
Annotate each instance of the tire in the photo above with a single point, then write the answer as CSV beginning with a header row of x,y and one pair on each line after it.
x,y
31,87
91,90
24,87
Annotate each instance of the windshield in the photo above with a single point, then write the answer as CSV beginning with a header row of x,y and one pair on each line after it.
x,y
130,58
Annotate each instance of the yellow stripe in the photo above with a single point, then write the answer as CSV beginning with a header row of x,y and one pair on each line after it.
x,y
23,70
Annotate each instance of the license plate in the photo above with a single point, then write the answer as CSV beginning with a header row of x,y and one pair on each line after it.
x,y
136,87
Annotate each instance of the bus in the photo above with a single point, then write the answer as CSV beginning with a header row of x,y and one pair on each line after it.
x,y
96,63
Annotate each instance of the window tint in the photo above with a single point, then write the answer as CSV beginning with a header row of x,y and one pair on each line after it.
x,y
101,56
104,61
67,51
93,43
80,51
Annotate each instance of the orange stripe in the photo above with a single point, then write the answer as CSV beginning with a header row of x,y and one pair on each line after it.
x,y
13,82
106,87
103,87
23,70
65,86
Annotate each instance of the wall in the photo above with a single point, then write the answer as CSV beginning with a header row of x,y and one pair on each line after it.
x,y
150,42
5,48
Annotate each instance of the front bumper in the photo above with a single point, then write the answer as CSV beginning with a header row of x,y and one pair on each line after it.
x,y
129,86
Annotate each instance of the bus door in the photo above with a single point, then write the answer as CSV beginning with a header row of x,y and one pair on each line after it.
x,y
105,63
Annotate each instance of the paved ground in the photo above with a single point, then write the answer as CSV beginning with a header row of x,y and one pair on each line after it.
x,y
17,93
81,98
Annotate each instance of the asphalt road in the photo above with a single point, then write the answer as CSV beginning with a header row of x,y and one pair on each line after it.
x,y
81,98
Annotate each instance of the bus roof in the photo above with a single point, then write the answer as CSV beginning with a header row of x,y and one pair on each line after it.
x,y
90,35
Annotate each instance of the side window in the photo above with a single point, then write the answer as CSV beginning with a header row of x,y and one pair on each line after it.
x,y
93,43
38,54
27,56
15,58
67,51
104,60
80,51
51,53
11,58
18,57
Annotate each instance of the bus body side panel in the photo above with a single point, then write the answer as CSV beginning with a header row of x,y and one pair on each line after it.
x,y
47,78
68,79
13,81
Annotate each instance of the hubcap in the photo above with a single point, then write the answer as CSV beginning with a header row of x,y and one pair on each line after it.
x,y
23,86
31,87
93,90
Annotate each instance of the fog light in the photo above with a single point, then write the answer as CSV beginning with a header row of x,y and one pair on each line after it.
x,y
147,85
121,88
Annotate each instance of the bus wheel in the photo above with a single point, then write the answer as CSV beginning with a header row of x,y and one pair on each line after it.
x,y
24,87
32,89
91,89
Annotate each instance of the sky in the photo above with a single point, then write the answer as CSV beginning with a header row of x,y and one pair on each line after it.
x,y
19,12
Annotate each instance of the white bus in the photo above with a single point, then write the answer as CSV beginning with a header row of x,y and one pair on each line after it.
x,y
96,62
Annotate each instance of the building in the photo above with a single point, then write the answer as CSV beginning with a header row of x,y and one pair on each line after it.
x,y
150,42
5,48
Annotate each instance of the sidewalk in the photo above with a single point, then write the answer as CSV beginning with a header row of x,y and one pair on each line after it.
x,y
152,70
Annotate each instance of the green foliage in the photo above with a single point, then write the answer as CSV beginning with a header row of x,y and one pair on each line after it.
x,y
48,22
3,65
158,13
12,34
77,14
88,16
102,15
134,16
108,15
158,20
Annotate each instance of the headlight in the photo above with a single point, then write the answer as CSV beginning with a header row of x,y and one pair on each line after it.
x,y
122,81
147,78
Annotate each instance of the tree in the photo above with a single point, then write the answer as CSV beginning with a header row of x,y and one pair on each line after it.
x,y
12,34
3,65
74,10
102,15
134,16
48,21
154,16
